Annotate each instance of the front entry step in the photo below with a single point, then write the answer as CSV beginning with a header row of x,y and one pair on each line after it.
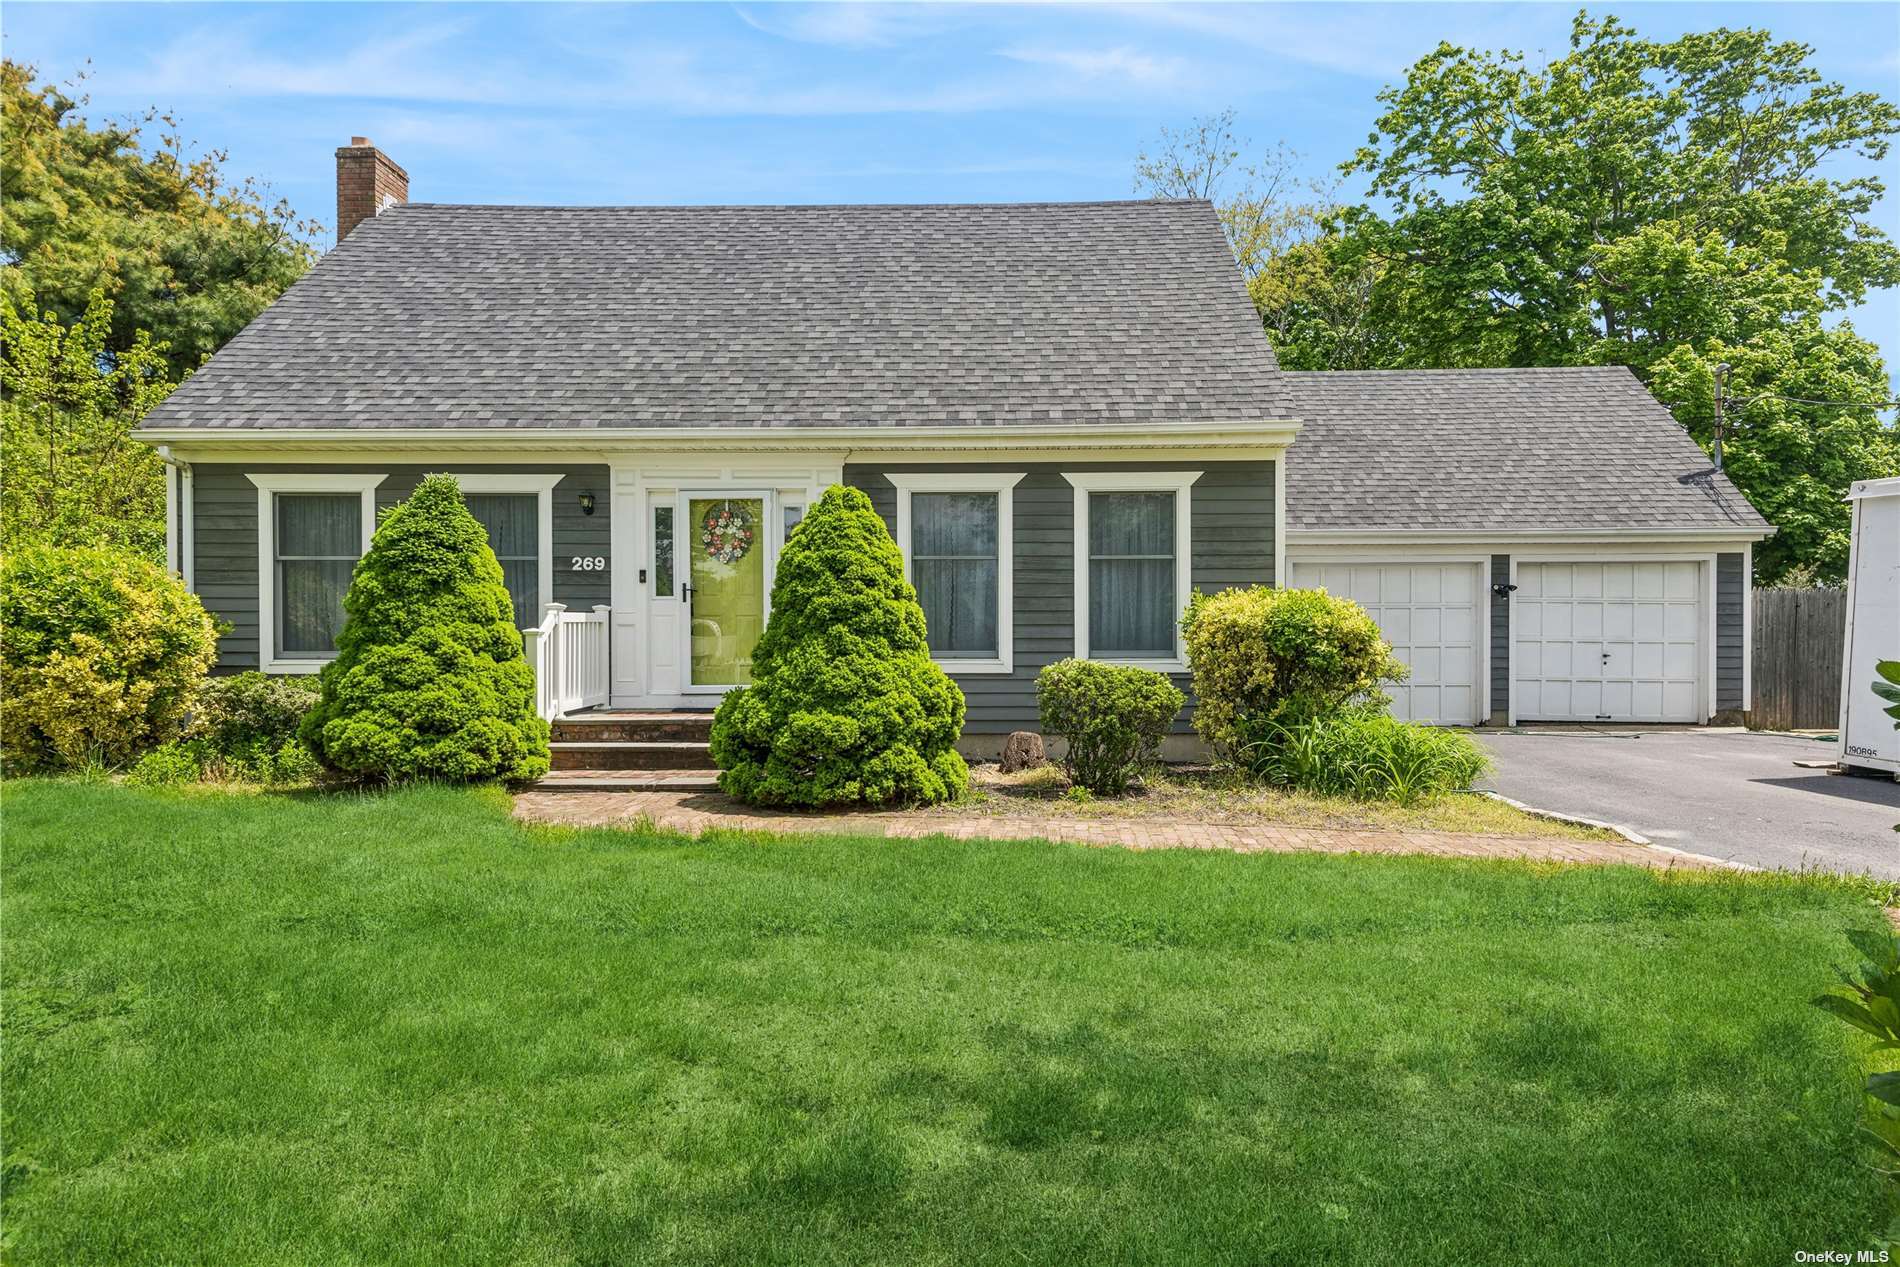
x,y
633,727
630,781
617,754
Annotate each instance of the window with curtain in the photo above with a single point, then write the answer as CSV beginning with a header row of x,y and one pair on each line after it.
x,y
1131,576
953,564
319,538
512,521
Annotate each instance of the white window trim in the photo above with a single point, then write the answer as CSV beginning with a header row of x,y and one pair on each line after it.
x,y
268,486
1003,484
1181,484
543,487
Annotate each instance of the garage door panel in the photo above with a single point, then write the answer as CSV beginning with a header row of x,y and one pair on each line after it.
x,y
1429,613
1614,640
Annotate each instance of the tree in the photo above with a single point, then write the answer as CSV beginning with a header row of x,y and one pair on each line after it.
x,y
1793,460
1312,296
429,679
73,474
846,706
186,254
1541,210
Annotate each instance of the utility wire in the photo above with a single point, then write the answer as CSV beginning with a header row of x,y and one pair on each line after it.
x,y
1809,400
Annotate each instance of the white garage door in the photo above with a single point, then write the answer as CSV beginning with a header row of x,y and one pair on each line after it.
x,y
1429,612
1607,641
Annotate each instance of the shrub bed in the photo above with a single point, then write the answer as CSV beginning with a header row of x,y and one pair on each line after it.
x,y
1113,718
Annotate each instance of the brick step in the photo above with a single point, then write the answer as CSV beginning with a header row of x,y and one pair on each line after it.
x,y
634,728
624,755
630,781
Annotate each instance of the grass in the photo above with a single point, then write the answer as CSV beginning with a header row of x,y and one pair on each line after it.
x,y
1206,796
401,1028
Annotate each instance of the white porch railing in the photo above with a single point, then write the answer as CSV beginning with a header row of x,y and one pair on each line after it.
x,y
568,654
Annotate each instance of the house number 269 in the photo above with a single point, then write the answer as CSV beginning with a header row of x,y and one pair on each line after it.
x,y
586,563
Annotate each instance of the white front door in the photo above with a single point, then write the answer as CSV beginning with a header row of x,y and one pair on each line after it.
x,y
1617,641
1431,614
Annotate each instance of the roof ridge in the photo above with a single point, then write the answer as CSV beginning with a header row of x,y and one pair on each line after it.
x,y
799,206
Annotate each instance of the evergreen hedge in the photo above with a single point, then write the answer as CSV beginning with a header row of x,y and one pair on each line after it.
x,y
429,680
845,705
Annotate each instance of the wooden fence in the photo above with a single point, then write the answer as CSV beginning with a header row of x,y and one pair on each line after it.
x,y
1797,643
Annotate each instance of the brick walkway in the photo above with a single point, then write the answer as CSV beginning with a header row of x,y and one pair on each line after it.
x,y
691,813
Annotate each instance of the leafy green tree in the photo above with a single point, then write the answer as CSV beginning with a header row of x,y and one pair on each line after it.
x,y
1544,212
429,680
846,706
1793,460
73,474
186,254
1662,205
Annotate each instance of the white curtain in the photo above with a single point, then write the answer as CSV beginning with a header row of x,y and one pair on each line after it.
x,y
953,563
512,521
1131,575
319,538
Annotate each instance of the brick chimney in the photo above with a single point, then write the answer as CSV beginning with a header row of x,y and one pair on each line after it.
x,y
367,180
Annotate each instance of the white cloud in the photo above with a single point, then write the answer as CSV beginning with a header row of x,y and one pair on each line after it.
x,y
849,25
1121,63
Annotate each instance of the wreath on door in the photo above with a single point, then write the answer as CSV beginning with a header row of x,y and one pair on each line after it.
x,y
726,533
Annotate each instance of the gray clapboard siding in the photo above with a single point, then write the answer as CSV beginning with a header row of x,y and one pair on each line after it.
x,y
1231,543
224,517
1730,592
1500,639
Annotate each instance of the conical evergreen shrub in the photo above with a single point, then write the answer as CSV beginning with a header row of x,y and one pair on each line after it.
x,y
429,679
845,705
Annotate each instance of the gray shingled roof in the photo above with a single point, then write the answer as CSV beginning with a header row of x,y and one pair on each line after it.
x,y
468,316
1507,450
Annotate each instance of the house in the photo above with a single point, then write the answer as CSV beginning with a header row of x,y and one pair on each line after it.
x,y
1067,414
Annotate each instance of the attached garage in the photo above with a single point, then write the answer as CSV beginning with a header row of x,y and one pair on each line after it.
x,y
1561,513
1609,641
1431,613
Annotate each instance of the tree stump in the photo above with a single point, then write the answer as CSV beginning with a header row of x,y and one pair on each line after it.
x,y
1022,751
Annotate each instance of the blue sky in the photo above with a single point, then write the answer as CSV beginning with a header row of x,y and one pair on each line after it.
x,y
750,103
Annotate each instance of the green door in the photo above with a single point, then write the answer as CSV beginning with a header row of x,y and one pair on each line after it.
x,y
726,544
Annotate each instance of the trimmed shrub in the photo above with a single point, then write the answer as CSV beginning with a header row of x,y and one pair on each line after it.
x,y
1362,753
429,679
1112,716
102,655
1264,657
845,705
247,718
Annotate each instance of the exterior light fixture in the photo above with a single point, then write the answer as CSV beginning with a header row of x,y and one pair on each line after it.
x,y
587,503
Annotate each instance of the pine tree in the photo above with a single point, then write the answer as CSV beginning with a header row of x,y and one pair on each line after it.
x,y
429,679
846,706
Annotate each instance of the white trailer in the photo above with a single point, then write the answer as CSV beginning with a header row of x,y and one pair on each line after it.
x,y
1868,738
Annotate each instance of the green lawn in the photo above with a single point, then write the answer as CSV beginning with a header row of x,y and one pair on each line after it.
x,y
401,1029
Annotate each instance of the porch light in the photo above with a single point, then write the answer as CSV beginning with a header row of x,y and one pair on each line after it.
x,y
587,503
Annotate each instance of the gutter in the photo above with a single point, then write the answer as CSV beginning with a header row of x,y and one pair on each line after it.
x,y
1255,431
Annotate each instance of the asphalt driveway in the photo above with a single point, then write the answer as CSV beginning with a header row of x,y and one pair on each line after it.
x,y
1728,793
